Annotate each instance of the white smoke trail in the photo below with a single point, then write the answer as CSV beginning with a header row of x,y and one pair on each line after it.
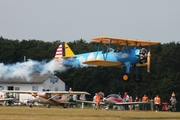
x,y
24,69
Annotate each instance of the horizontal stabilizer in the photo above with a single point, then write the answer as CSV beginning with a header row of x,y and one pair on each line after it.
x,y
68,57
103,63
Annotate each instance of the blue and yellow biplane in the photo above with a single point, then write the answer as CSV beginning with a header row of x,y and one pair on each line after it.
x,y
129,53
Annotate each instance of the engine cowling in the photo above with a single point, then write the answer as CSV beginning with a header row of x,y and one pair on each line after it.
x,y
143,55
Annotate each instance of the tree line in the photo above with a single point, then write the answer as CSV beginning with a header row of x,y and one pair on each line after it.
x,y
163,79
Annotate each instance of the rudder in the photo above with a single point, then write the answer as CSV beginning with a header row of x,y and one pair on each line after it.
x,y
64,51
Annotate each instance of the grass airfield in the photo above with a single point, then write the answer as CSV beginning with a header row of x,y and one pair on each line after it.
x,y
58,113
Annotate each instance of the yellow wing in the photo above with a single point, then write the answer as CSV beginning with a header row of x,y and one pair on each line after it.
x,y
103,63
123,41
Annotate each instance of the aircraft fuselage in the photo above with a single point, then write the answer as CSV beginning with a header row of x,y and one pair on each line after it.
x,y
125,56
47,99
113,99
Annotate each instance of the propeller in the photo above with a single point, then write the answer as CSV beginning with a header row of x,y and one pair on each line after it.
x,y
148,61
143,56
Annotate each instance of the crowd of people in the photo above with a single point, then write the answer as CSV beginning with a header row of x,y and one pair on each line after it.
x,y
155,103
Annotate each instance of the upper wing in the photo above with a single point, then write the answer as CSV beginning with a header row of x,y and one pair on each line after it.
x,y
6,99
68,93
123,41
50,92
20,92
131,103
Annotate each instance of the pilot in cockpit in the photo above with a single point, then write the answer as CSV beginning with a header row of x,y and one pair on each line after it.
x,y
118,49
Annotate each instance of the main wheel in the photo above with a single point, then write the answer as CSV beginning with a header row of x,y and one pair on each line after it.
x,y
125,77
30,105
48,106
137,78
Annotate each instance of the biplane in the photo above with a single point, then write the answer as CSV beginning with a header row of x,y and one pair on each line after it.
x,y
129,53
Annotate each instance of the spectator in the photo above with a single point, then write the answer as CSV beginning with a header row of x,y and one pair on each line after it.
x,y
152,104
74,98
173,102
70,89
136,105
82,97
130,100
145,99
94,100
98,100
157,102
126,99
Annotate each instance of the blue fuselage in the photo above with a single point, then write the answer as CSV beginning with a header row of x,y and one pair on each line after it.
x,y
126,56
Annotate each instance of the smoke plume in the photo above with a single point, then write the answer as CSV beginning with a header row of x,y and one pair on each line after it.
x,y
24,69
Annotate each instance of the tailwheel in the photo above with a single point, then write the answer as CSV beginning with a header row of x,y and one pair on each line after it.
x,y
65,105
48,106
125,77
30,105
137,78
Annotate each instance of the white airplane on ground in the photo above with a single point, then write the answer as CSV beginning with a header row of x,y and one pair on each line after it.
x,y
50,97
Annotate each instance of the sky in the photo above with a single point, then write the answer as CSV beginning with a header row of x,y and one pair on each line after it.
x,y
69,20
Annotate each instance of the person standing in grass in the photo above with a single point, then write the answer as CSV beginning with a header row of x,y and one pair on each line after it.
x,y
145,99
173,102
157,102
98,100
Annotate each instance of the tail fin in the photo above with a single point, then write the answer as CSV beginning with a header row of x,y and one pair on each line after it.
x,y
64,51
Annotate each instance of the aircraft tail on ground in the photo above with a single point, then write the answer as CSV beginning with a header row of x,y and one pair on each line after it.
x,y
64,51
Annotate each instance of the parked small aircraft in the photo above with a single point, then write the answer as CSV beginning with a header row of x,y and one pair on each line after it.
x,y
114,99
130,53
49,97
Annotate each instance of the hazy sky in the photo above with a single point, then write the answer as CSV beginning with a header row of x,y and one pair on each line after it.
x,y
69,20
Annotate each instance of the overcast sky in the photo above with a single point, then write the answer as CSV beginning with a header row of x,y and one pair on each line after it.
x,y
69,20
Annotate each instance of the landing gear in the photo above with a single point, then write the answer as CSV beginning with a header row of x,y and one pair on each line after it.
x,y
30,105
137,78
65,105
48,106
125,77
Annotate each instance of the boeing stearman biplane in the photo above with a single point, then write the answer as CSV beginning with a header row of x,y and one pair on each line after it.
x,y
49,97
133,54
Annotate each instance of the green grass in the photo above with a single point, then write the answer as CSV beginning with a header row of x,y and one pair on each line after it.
x,y
58,113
